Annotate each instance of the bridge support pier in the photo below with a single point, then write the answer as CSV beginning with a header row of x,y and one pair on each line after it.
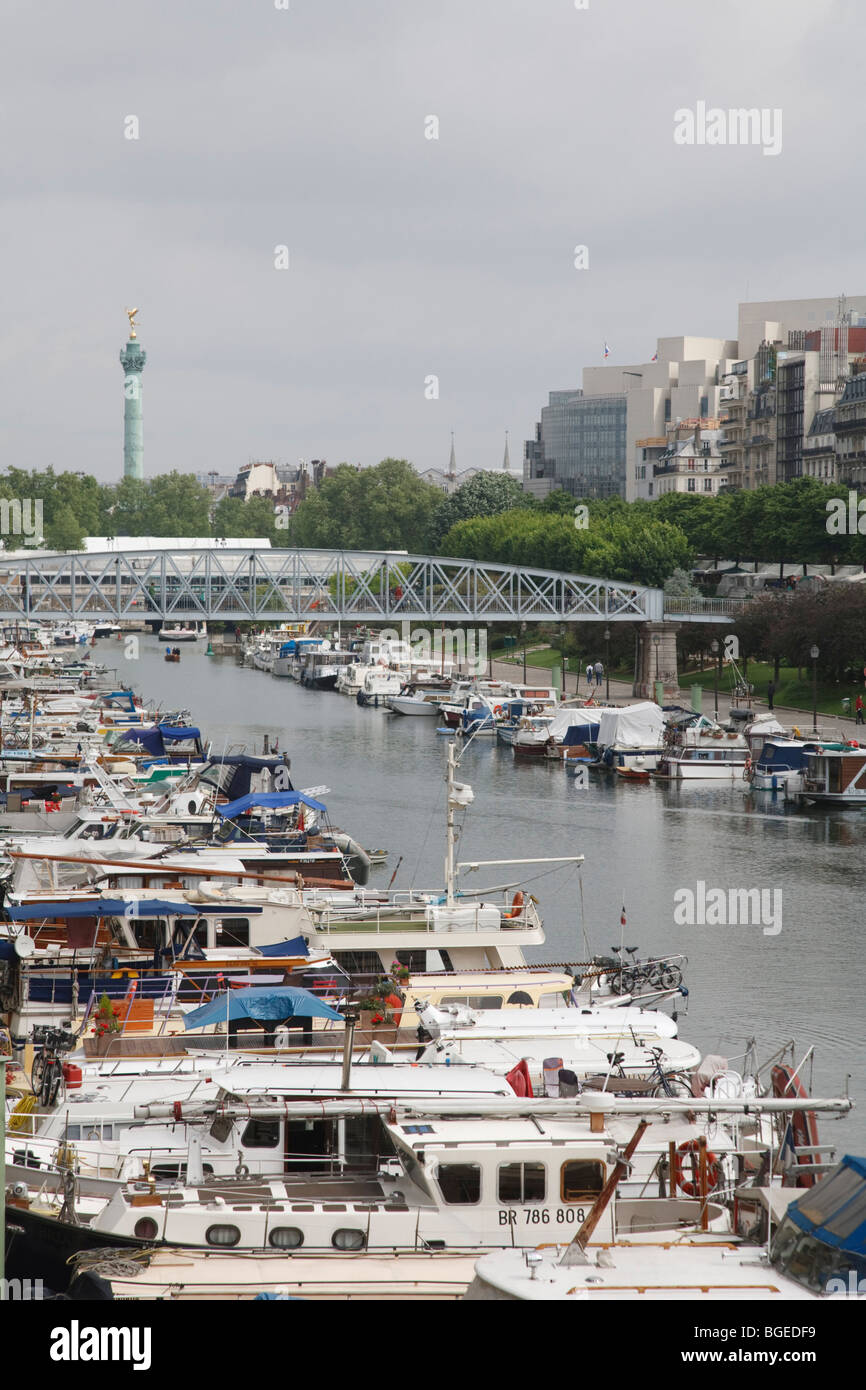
x,y
657,656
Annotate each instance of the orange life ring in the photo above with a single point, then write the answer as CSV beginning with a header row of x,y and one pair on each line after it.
x,y
516,905
497,709
804,1125
691,1186
395,1003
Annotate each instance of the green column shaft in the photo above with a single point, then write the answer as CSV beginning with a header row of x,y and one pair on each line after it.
x,y
132,359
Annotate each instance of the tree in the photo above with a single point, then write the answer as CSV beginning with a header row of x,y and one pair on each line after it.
x,y
487,494
388,507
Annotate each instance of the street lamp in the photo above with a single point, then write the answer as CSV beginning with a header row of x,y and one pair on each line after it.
x,y
714,648
607,665
562,656
523,635
815,653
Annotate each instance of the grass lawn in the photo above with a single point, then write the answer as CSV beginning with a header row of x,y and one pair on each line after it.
x,y
790,691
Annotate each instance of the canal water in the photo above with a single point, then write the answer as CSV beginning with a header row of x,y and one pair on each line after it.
x,y
642,845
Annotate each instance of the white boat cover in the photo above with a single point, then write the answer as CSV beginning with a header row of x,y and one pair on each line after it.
x,y
634,726
566,719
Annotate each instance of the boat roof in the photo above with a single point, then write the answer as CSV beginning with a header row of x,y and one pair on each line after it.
x,y
367,1078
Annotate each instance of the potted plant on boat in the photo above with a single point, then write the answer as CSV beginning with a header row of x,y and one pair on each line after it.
x,y
399,972
381,1007
105,1024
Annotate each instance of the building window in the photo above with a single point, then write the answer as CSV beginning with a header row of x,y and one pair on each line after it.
x,y
691,484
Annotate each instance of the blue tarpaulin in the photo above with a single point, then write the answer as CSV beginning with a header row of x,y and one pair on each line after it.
x,y
270,801
117,907
267,1005
296,947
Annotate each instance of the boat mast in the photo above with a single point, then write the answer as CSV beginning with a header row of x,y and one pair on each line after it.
x,y
450,832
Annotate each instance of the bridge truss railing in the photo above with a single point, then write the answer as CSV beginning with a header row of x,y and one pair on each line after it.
x,y
298,585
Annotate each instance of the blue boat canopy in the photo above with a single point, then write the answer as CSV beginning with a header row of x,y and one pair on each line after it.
x,y
269,801
117,907
178,731
834,1210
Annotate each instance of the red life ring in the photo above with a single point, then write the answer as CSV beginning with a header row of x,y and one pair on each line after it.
x,y
804,1125
691,1186
516,905
497,709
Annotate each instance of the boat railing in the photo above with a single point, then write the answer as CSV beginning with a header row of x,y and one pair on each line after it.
x,y
405,913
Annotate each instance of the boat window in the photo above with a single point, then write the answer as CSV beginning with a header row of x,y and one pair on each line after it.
x,y
581,1179
286,1238
522,1182
149,932
460,1183
559,1000
261,1134
233,931
808,1260
146,1228
222,1235
72,1132
347,1239
474,1001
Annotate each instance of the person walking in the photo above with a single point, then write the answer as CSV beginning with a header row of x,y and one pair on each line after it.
x,y
858,705
599,672
771,693
589,674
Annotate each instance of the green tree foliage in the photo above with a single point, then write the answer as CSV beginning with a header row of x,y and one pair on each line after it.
x,y
487,494
388,507
619,543
785,626
255,517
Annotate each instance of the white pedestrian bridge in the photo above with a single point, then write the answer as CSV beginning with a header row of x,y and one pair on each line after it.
x,y
254,585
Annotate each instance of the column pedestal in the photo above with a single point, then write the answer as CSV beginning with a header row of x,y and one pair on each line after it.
x,y
657,661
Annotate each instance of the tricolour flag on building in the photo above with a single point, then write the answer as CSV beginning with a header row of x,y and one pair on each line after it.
x,y
655,357
606,350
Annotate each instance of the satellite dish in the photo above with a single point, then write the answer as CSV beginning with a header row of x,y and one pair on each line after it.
x,y
25,947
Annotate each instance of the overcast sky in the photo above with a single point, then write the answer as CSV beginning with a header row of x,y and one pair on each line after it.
x,y
409,257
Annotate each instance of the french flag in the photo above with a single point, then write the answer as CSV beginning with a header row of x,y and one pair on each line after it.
x,y
606,350
655,357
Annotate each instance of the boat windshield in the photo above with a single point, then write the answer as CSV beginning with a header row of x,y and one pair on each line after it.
x,y
823,1235
808,1260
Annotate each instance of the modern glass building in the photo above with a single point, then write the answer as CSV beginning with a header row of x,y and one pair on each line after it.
x,y
579,446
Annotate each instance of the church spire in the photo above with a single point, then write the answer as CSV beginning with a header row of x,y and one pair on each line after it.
x,y
506,462
452,462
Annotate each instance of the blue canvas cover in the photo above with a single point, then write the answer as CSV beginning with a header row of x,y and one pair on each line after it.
x,y
117,907
834,1210
266,1004
269,801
